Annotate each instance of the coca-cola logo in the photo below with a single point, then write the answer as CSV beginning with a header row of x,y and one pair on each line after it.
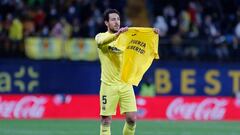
x,y
26,107
207,109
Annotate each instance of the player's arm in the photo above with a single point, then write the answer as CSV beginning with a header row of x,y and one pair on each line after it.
x,y
103,40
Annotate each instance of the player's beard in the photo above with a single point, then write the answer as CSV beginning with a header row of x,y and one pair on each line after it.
x,y
114,30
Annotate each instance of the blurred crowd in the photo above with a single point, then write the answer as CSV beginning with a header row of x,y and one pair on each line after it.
x,y
198,29
50,18
202,30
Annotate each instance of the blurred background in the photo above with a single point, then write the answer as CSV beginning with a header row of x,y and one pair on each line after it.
x,y
49,61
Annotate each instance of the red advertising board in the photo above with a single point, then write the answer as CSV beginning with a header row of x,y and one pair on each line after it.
x,y
87,107
189,108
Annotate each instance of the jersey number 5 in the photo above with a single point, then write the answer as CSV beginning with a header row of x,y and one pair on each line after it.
x,y
104,99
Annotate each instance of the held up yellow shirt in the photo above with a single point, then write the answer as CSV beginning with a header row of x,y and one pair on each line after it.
x,y
140,47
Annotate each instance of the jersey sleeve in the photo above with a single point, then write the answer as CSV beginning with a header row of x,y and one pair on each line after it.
x,y
104,39
155,46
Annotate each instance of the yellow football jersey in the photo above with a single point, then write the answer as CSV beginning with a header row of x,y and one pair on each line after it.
x,y
110,58
140,47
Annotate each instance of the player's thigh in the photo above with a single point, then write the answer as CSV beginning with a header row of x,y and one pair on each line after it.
x,y
127,99
108,100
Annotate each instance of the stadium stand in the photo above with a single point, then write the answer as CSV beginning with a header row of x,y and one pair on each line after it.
x,y
190,30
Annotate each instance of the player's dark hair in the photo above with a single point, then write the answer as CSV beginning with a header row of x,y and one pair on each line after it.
x,y
109,11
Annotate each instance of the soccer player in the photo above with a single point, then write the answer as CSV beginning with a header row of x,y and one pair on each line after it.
x,y
113,90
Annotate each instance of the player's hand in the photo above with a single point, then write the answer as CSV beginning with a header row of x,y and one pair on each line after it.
x,y
121,30
156,30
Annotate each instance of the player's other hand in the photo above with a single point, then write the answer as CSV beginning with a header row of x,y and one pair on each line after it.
x,y
121,30
156,30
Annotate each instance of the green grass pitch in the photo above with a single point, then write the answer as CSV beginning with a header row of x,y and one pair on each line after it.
x,y
91,127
